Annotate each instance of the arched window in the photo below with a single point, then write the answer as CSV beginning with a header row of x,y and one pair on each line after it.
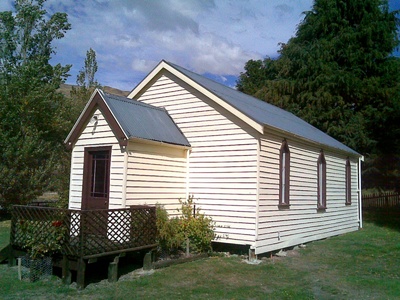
x,y
321,181
284,174
348,182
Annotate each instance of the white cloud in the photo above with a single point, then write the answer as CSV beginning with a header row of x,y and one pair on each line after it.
x,y
207,36
131,36
143,65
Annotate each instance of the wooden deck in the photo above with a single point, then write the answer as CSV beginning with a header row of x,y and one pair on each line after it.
x,y
85,235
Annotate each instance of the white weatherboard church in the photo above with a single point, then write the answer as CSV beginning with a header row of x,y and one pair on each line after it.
x,y
267,178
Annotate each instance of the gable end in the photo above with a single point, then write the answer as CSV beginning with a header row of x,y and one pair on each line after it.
x,y
97,102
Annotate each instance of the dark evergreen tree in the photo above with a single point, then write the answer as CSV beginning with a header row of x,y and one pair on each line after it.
x,y
338,74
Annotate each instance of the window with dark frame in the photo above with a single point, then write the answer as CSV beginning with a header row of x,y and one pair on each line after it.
x,y
321,164
99,174
284,175
348,182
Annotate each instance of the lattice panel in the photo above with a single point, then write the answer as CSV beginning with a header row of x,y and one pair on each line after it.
x,y
72,247
143,226
87,232
38,224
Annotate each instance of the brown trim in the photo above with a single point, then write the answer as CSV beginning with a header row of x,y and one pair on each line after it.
x,y
97,102
284,175
87,172
321,179
348,182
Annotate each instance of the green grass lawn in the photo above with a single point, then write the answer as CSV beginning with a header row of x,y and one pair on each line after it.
x,y
359,265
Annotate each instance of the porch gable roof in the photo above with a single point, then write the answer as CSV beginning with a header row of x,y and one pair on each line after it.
x,y
129,119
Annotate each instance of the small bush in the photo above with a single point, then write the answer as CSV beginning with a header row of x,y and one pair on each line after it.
x,y
191,231
42,238
168,237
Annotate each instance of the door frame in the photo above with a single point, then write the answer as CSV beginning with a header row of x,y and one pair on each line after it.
x,y
87,174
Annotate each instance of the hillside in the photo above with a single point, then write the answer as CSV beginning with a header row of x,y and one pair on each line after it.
x,y
66,88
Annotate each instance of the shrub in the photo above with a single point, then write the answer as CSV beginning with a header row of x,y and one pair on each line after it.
x,y
168,236
40,240
192,230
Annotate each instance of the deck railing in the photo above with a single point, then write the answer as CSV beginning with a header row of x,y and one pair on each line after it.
x,y
87,233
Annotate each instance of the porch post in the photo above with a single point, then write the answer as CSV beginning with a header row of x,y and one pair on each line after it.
x,y
66,272
113,270
80,280
148,261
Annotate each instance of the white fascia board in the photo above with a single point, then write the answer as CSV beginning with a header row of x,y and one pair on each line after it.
x,y
100,92
146,80
152,142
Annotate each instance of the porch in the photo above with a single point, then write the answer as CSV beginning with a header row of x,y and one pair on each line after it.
x,y
83,236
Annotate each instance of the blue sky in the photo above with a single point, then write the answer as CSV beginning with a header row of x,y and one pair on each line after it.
x,y
211,37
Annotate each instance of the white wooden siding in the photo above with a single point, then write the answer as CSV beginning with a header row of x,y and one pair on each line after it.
x,y
96,136
156,175
223,162
302,222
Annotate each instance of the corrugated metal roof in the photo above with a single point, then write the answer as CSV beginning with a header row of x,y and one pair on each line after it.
x,y
144,121
265,113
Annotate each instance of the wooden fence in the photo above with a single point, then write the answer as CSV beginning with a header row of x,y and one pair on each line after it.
x,y
383,200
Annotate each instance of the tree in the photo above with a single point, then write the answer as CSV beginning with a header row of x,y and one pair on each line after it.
x,y
86,76
86,84
79,96
32,126
338,74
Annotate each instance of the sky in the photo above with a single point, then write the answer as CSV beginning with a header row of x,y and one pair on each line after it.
x,y
214,38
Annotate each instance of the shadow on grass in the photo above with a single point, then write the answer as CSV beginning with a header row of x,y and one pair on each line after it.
x,y
4,216
98,271
384,217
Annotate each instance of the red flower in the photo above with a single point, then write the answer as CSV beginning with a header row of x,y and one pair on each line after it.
x,y
56,223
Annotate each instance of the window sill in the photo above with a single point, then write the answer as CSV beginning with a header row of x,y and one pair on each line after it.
x,y
348,203
283,206
321,209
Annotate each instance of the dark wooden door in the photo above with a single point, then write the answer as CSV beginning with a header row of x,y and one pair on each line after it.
x,y
95,193
96,178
